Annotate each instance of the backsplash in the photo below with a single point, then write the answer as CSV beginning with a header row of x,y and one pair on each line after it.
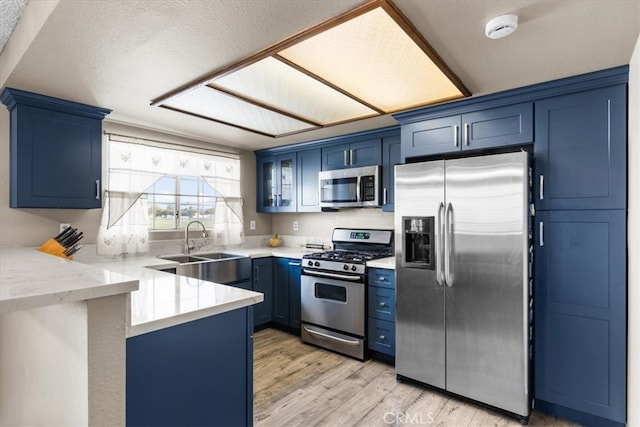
x,y
320,225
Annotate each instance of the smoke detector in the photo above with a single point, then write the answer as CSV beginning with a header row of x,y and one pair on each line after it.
x,y
501,26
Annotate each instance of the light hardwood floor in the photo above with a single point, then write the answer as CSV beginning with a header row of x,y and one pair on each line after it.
x,y
300,385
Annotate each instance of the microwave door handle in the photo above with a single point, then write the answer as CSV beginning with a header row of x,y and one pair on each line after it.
x,y
358,189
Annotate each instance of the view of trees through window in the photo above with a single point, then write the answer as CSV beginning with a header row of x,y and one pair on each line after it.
x,y
173,201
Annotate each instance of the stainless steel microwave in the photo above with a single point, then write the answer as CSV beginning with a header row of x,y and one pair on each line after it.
x,y
350,188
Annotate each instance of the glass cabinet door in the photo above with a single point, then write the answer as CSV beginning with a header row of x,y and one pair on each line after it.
x,y
267,190
277,183
287,174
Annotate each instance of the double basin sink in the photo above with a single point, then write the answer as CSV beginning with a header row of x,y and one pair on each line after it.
x,y
219,267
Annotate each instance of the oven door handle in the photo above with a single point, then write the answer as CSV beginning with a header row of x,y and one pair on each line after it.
x,y
351,342
331,275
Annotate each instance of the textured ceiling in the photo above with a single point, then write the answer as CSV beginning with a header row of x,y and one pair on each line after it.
x,y
10,11
122,54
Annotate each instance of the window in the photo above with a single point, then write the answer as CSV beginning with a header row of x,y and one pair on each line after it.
x,y
160,186
173,201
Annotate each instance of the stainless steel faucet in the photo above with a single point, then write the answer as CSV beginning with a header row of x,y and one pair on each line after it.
x,y
188,248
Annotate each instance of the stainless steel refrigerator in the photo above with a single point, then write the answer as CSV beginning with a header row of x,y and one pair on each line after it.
x,y
462,277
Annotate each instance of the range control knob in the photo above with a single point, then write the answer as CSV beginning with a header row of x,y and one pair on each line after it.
x,y
345,267
317,264
310,263
354,268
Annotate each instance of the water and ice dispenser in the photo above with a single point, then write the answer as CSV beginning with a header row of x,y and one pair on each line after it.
x,y
419,242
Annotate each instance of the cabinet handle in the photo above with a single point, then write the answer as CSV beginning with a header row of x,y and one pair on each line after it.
x,y
541,187
256,278
351,160
346,159
295,264
466,134
382,337
383,304
97,189
384,196
541,233
455,135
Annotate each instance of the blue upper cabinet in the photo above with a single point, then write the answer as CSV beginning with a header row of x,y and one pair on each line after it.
x,y
56,152
351,155
488,128
429,137
390,158
277,183
309,164
580,150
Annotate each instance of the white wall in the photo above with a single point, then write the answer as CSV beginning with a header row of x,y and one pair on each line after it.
x,y
318,226
43,366
31,227
633,232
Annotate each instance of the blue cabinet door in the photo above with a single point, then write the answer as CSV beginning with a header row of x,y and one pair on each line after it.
x,y
335,157
351,155
488,128
56,152
281,291
366,153
580,150
263,282
435,136
390,158
267,184
277,183
309,164
498,127
295,304
193,374
580,311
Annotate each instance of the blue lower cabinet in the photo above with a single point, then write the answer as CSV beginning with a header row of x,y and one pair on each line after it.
x,y
382,336
286,292
194,374
263,283
381,326
580,315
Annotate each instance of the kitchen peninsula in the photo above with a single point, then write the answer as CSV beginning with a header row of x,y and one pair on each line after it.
x,y
73,328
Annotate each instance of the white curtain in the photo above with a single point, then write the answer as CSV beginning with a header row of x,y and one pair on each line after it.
x,y
134,167
130,233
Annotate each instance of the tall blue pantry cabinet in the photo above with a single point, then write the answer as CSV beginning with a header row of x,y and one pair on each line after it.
x,y
580,255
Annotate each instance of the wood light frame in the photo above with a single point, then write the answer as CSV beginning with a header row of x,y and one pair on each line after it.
x,y
302,122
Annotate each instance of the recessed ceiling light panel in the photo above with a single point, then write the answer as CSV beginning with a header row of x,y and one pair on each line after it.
x,y
366,62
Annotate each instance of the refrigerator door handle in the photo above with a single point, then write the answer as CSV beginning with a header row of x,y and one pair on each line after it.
x,y
440,245
448,279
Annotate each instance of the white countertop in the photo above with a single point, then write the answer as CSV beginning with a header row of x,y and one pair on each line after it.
x,y
388,263
165,299
31,279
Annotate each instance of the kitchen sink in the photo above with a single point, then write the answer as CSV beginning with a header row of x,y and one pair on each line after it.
x,y
219,267
182,259
217,255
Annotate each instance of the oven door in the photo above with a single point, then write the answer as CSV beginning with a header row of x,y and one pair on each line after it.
x,y
336,302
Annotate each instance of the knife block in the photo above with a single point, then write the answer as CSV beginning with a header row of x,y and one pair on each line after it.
x,y
52,247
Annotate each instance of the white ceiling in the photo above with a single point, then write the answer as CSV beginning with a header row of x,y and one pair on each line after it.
x,y
122,54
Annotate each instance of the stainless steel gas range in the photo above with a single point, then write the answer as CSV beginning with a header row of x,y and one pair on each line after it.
x,y
334,290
